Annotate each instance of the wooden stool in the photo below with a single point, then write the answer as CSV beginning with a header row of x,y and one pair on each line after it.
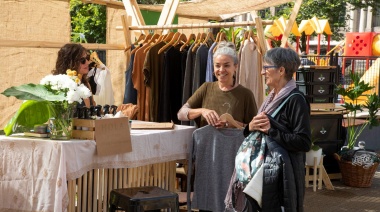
x,y
143,198
318,169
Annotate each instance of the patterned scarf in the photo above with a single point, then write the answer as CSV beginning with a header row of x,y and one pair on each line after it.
x,y
272,102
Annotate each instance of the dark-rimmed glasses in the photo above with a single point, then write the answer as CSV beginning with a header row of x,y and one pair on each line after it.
x,y
266,67
83,60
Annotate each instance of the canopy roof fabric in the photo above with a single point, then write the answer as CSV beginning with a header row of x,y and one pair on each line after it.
x,y
315,25
216,9
278,27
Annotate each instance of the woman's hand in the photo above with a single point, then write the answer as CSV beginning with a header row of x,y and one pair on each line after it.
x,y
260,123
212,117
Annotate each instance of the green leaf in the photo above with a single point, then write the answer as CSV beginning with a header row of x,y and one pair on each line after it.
x,y
29,114
33,92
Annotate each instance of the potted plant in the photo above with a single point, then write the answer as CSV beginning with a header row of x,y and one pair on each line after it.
x,y
315,151
358,166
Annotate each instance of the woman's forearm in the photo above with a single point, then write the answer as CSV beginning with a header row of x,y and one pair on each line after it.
x,y
186,113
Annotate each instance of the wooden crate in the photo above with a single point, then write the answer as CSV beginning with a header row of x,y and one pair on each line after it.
x,y
83,134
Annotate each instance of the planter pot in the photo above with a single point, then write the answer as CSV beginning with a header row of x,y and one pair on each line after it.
x,y
310,157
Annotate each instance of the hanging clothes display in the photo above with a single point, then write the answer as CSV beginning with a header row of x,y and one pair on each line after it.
x,y
249,73
166,72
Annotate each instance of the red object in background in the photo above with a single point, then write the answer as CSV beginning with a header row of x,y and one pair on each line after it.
x,y
359,43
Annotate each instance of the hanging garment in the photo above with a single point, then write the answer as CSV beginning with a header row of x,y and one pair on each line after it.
x,y
170,94
213,154
130,93
199,75
104,91
153,66
210,64
138,81
249,74
189,72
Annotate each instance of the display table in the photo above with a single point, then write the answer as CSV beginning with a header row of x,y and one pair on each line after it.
x,y
49,175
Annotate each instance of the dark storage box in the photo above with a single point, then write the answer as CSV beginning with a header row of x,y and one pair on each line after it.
x,y
328,133
326,126
316,89
305,75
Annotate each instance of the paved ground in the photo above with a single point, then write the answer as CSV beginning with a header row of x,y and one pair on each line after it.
x,y
344,198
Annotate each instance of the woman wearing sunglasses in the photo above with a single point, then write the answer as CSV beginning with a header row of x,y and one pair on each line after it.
x,y
75,57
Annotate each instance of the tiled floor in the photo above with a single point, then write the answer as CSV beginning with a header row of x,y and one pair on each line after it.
x,y
344,198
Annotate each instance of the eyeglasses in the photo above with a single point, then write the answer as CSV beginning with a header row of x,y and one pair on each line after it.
x,y
83,60
266,67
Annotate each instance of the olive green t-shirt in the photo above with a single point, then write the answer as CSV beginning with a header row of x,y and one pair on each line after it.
x,y
239,102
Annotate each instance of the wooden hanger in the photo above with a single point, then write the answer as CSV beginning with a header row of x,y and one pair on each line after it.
x,y
228,118
198,42
209,36
151,41
218,36
171,42
187,43
245,36
223,37
182,38
95,58
169,37
140,38
145,41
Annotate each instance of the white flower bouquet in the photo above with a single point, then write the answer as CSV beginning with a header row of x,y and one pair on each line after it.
x,y
52,98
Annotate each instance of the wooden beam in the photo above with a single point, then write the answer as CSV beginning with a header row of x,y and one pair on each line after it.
x,y
167,14
114,4
133,10
289,25
50,44
261,36
126,20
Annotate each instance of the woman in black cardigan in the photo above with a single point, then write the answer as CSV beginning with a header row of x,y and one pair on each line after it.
x,y
289,135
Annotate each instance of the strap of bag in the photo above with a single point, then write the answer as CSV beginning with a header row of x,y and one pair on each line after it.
x,y
283,103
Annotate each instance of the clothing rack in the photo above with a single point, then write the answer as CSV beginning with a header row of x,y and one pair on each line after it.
x,y
258,23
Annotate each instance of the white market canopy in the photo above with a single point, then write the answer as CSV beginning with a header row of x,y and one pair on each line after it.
x,y
217,9
206,9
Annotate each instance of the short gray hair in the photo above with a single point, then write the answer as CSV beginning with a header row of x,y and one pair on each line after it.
x,y
226,48
283,57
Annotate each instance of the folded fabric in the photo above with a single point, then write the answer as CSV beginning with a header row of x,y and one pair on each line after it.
x,y
129,110
255,186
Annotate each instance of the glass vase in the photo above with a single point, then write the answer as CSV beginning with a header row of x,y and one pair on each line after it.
x,y
60,123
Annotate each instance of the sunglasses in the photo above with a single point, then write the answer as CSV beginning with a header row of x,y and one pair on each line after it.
x,y
83,60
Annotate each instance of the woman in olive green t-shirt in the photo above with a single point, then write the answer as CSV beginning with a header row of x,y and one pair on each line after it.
x,y
213,99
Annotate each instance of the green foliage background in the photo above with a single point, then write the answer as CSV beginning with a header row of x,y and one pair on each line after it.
x,y
88,22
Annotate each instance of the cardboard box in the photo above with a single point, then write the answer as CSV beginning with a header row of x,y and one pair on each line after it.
x,y
112,135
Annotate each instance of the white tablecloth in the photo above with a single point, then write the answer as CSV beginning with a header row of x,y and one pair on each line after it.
x,y
34,172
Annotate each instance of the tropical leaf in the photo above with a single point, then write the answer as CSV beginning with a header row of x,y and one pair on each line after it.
x,y
29,114
33,92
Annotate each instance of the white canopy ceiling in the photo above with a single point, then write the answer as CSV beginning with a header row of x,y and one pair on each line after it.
x,y
217,9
